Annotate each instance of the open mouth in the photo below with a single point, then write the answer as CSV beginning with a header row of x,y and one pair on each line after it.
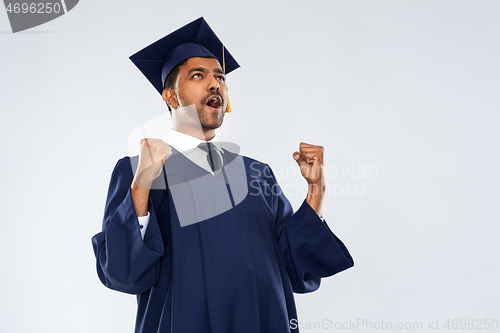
x,y
214,102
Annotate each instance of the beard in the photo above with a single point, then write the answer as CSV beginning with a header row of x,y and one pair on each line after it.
x,y
210,119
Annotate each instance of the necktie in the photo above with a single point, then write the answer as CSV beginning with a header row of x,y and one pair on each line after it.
x,y
213,157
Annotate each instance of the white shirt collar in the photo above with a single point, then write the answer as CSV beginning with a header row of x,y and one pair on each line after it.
x,y
186,143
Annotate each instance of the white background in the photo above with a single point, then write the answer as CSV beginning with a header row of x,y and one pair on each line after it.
x,y
409,88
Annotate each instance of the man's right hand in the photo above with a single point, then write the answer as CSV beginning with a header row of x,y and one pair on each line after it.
x,y
152,156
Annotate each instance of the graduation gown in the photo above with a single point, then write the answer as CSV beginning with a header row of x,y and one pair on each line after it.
x,y
233,272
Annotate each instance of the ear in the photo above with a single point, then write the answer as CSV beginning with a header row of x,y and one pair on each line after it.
x,y
170,97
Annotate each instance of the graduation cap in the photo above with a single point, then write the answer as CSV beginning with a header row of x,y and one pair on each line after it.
x,y
195,39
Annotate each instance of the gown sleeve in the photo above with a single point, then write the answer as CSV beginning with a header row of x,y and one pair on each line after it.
x,y
310,249
126,262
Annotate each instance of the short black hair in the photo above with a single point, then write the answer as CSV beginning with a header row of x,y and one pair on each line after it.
x,y
172,78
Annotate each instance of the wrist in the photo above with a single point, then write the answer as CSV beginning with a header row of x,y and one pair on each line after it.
x,y
140,198
315,189
315,196
142,181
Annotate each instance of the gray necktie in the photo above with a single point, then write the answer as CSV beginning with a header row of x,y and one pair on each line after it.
x,y
213,158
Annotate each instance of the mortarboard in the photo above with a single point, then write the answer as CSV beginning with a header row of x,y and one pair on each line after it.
x,y
195,39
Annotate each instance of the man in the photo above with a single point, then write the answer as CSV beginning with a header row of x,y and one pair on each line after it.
x,y
203,236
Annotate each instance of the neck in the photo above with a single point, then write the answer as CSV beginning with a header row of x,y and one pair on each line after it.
x,y
208,134
202,134
186,120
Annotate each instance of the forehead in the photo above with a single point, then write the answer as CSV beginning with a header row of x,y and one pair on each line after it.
x,y
195,62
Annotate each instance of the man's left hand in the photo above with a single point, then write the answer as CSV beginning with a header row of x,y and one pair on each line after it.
x,y
310,160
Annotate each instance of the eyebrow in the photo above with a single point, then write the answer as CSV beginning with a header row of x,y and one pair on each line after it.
x,y
203,70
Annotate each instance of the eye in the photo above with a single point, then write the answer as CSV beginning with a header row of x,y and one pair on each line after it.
x,y
221,78
197,75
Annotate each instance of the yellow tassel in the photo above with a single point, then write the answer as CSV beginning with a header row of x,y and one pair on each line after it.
x,y
223,60
228,109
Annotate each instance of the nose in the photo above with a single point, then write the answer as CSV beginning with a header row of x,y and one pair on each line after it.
x,y
214,84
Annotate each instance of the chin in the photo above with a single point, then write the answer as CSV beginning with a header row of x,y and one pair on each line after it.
x,y
212,124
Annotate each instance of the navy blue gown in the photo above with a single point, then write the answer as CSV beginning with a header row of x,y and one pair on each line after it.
x,y
232,273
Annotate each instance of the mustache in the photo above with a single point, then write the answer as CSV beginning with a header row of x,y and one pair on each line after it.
x,y
205,100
